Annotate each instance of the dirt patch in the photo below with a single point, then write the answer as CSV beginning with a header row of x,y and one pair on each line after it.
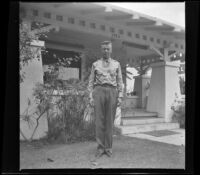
x,y
128,152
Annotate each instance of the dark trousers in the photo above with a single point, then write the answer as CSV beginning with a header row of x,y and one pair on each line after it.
x,y
105,103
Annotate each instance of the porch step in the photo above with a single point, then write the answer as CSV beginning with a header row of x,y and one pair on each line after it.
x,y
134,113
137,128
125,121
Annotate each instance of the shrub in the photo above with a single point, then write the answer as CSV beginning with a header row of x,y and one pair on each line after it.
x,y
66,121
182,85
179,113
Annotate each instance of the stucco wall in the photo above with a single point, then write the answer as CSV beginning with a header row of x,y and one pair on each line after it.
x,y
33,74
156,98
172,87
163,87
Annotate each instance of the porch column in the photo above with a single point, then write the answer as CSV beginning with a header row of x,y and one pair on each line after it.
x,y
163,87
139,88
33,74
83,66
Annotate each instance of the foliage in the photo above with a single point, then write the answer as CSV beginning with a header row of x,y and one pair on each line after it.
x,y
26,52
66,115
67,121
179,112
182,85
30,117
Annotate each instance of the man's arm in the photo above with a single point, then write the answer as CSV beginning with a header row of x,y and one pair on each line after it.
x,y
119,82
91,82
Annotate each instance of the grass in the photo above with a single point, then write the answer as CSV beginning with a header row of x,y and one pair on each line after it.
x,y
128,152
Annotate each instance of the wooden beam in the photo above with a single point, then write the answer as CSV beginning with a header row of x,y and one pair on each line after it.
x,y
45,29
62,5
156,50
135,45
37,43
118,17
171,55
179,37
179,34
93,11
75,45
140,23
159,28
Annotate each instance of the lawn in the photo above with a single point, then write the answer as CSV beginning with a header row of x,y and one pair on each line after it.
x,y
128,152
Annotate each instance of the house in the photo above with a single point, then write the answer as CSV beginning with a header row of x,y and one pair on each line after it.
x,y
139,41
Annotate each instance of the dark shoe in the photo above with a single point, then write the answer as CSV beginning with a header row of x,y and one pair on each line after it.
x,y
99,153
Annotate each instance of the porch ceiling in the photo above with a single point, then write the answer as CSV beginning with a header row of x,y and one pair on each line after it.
x,y
65,36
117,15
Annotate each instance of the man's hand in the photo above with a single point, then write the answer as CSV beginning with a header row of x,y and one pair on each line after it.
x,y
119,101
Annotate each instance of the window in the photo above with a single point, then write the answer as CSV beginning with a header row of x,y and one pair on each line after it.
x,y
158,41
144,37
59,18
129,34
35,12
47,15
112,29
71,20
82,23
103,27
176,45
93,25
137,35
121,32
181,46
151,39
164,42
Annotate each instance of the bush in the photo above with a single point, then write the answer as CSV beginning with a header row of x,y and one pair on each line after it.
x,y
66,121
179,113
182,85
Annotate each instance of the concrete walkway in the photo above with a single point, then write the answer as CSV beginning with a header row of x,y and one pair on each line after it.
x,y
175,139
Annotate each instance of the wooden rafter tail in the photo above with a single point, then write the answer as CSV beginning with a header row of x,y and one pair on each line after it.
x,y
156,50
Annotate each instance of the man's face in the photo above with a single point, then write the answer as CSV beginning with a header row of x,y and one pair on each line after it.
x,y
106,50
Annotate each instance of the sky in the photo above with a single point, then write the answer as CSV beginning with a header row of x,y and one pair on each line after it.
x,y
172,12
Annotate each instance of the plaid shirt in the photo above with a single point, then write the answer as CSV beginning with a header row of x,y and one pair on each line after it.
x,y
106,73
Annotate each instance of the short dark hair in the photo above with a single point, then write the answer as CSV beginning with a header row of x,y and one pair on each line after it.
x,y
106,42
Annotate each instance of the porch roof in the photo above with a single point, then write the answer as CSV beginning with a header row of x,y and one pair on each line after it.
x,y
137,30
117,15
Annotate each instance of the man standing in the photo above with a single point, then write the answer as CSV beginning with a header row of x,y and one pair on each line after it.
x,y
105,87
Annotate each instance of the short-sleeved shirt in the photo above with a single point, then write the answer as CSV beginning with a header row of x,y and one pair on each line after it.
x,y
106,72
